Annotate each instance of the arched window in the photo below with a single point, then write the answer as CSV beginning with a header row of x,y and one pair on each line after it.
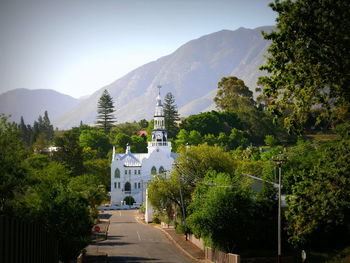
x,y
154,170
161,169
127,187
117,173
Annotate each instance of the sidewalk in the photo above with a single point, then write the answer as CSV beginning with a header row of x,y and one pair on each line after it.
x,y
186,246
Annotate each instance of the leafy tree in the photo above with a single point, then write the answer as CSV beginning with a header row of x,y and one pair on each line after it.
x,y
195,138
46,127
171,115
270,140
233,95
95,140
26,132
319,208
105,109
120,142
143,124
90,188
129,200
69,151
129,128
100,169
138,144
237,138
212,122
182,137
216,200
12,171
309,61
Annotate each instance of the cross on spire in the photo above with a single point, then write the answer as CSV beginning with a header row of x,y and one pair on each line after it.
x,y
159,87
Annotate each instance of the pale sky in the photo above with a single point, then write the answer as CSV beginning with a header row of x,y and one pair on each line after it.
x,y
78,46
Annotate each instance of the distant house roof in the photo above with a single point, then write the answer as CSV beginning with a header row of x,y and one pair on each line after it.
x,y
143,132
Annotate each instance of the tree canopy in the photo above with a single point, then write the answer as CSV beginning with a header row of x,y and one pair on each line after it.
x,y
105,110
171,115
309,61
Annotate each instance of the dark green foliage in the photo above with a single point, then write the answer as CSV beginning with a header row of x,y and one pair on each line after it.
x,y
69,151
129,200
12,172
25,131
171,115
228,217
138,144
233,95
212,122
95,140
309,61
143,124
105,110
99,168
120,141
319,207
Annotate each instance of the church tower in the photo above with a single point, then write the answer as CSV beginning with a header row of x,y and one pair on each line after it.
x,y
159,134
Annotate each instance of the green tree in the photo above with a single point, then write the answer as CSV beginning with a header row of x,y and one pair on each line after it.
x,y
100,169
26,132
138,144
120,142
171,115
216,200
270,140
319,208
46,127
309,61
12,171
233,95
69,152
95,140
105,110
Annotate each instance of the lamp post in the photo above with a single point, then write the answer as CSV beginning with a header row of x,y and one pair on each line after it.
x,y
279,160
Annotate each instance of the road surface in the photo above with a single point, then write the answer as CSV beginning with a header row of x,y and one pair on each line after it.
x,y
131,242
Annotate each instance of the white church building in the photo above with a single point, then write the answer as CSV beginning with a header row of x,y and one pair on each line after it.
x,y
130,172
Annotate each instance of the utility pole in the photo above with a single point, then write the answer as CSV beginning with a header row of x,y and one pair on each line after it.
x,y
279,160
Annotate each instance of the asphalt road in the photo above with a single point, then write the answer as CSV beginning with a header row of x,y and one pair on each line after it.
x,y
133,242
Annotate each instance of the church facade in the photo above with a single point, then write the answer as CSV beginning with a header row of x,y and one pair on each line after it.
x,y
131,172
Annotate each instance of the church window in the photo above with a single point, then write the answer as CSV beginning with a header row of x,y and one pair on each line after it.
x,y
117,173
135,185
161,169
139,171
127,187
139,185
129,171
154,170
115,185
126,171
135,172
118,185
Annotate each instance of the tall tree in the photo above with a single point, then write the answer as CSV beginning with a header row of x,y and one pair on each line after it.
x,y
47,127
233,95
25,131
309,60
105,109
171,115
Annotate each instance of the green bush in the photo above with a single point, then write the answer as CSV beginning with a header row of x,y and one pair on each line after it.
x,y
129,200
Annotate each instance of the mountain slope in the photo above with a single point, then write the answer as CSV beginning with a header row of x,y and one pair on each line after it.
x,y
32,103
191,73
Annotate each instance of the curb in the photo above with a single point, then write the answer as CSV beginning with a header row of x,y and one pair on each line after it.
x,y
140,221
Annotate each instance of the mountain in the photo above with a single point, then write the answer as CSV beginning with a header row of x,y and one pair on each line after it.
x,y
32,103
191,73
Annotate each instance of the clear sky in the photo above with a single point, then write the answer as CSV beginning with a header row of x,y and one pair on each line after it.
x,y
78,46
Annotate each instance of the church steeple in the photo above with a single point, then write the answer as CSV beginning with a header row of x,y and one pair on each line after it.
x,y
159,119
159,133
